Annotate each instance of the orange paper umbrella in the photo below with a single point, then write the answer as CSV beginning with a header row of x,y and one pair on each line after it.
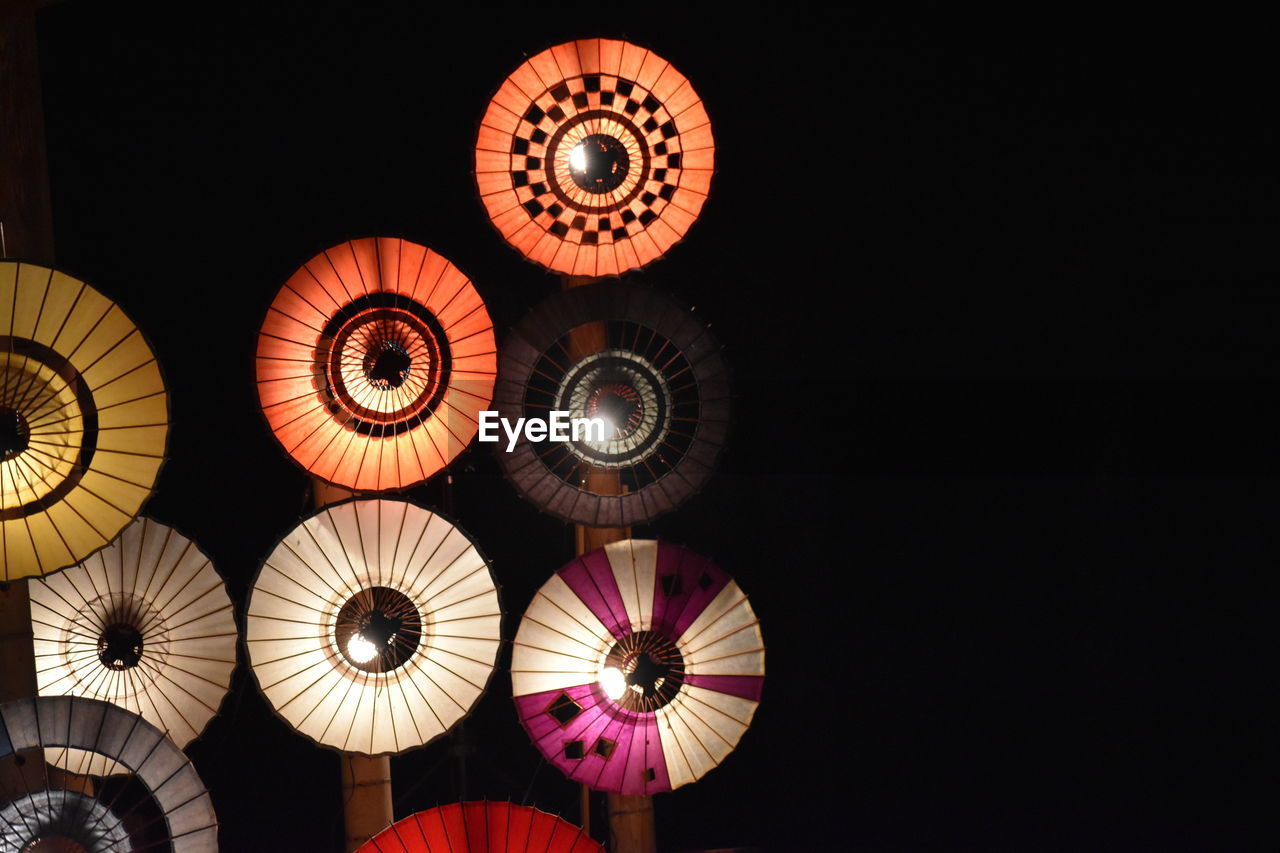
x,y
372,363
594,157
481,827
83,420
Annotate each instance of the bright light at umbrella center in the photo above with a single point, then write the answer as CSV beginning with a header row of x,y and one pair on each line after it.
x,y
387,367
361,650
643,672
120,646
599,163
378,629
619,405
15,434
613,682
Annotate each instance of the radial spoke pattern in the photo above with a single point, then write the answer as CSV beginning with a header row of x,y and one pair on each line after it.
x,y
645,366
594,157
158,802
638,667
83,420
373,362
146,624
481,827
373,626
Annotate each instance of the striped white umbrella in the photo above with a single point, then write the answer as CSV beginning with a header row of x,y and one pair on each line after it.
x,y
638,667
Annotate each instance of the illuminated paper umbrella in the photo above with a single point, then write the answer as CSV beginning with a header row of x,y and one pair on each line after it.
x,y
481,827
83,420
372,363
373,626
594,157
638,667
646,366
145,623
159,803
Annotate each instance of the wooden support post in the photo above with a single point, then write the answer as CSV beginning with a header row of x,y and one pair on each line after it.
x,y
366,797
631,828
27,226
367,806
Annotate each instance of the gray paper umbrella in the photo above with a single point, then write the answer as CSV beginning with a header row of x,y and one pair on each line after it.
x,y
639,361
145,624
158,803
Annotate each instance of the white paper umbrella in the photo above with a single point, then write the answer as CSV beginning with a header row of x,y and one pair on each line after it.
x,y
160,804
373,626
146,624
638,667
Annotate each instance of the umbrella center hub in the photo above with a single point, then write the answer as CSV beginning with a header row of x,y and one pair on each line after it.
x,y
387,365
120,646
15,433
378,629
619,405
652,670
599,163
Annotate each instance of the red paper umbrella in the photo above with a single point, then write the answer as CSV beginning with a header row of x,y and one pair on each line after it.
x,y
653,374
372,363
481,827
594,157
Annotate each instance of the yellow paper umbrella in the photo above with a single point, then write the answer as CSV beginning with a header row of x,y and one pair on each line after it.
x,y
146,624
83,420
159,803
373,626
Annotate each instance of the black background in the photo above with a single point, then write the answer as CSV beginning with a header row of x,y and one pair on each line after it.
x,y
999,297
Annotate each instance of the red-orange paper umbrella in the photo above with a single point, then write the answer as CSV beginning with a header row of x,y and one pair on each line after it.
x,y
594,157
373,362
481,827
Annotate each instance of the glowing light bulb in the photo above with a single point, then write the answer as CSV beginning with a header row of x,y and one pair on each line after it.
x,y
613,682
578,157
360,649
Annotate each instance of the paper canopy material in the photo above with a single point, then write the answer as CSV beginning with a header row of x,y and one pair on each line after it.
x,y
642,362
594,157
175,812
373,626
638,667
146,624
83,420
481,827
373,362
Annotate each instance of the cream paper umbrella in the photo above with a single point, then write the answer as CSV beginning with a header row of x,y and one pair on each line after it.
x,y
638,667
373,626
159,803
83,420
146,624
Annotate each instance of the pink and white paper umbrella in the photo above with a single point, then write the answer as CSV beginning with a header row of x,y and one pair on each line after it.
x,y
638,667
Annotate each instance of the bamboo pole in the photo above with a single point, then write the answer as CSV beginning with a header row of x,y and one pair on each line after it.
x,y
26,226
367,805
631,827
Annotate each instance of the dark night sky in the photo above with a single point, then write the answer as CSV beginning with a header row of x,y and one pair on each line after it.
x,y
999,297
